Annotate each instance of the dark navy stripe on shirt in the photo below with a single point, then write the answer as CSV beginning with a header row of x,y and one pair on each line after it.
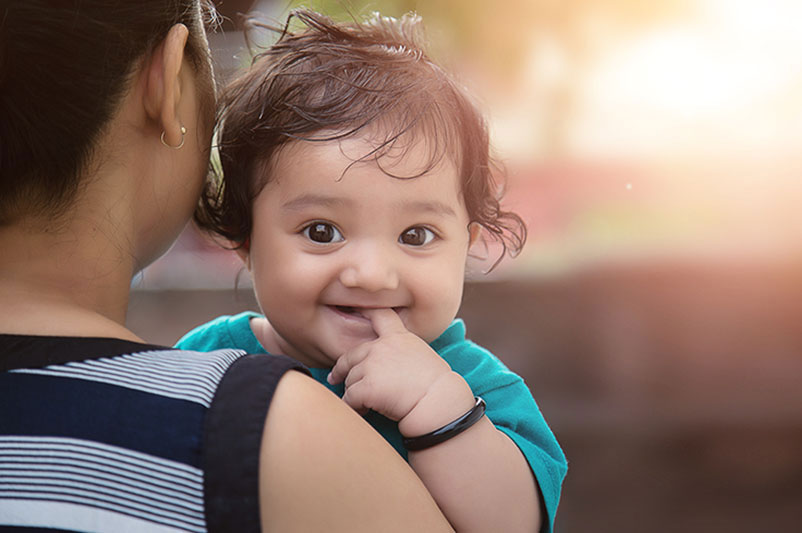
x,y
84,409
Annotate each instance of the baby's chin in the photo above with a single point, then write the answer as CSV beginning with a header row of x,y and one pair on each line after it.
x,y
431,333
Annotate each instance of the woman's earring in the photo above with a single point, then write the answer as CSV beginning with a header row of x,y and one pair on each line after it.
x,y
183,132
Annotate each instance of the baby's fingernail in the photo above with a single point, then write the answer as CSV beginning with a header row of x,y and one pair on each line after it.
x,y
330,379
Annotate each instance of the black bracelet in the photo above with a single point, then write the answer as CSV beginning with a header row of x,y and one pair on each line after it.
x,y
448,431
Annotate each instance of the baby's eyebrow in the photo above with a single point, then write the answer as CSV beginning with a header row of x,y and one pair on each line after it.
x,y
429,206
318,200
314,200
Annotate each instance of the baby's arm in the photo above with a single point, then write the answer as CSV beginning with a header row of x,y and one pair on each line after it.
x,y
479,478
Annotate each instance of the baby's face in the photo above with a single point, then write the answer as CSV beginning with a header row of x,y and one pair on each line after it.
x,y
326,244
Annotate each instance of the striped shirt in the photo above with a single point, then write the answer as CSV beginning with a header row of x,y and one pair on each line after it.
x,y
110,435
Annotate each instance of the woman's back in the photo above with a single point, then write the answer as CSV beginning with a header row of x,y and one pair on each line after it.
x,y
114,435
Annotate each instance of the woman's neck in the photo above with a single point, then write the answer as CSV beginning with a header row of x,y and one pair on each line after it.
x,y
63,280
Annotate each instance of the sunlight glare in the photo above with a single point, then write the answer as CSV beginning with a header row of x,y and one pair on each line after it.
x,y
728,74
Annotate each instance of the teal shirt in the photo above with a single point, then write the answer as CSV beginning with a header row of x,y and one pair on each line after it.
x,y
510,405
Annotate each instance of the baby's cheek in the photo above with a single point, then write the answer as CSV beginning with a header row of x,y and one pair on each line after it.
x,y
439,314
437,296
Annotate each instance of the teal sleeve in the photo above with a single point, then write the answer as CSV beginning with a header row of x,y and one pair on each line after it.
x,y
223,332
207,337
512,409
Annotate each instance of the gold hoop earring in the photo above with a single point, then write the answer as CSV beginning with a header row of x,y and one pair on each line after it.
x,y
183,132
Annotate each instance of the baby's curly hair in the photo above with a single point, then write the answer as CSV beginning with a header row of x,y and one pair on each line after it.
x,y
335,80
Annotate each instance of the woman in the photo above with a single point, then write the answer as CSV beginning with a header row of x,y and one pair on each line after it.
x,y
105,124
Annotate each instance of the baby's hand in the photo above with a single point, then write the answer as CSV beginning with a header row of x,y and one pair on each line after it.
x,y
393,373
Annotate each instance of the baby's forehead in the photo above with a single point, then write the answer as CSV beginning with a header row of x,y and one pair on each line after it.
x,y
337,158
405,155
355,167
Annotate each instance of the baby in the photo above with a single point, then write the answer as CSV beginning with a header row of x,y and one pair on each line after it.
x,y
356,176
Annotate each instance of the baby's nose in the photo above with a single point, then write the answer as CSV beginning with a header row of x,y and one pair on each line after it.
x,y
372,271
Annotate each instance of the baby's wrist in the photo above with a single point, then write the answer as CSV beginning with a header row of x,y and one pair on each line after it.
x,y
448,398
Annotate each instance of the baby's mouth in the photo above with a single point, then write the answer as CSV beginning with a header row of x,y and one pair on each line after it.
x,y
349,310
357,311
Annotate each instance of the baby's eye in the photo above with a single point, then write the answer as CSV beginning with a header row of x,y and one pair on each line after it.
x,y
322,232
417,236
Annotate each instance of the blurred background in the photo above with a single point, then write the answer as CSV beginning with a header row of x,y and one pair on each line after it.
x,y
654,149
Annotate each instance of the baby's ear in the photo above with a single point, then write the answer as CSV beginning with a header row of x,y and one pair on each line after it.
x,y
475,231
244,253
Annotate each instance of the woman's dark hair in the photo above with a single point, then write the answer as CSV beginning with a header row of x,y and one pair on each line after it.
x,y
64,65
330,81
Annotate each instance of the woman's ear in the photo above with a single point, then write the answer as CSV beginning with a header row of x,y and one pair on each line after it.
x,y
163,90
